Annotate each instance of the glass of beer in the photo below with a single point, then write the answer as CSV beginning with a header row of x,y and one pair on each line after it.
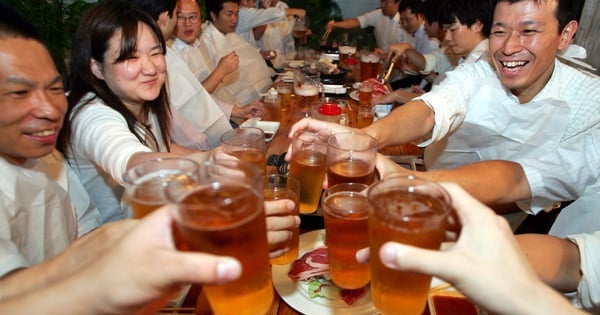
x,y
346,210
300,30
247,144
408,210
365,94
276,187
223,214
146,182
306,87
285,92
308,165
365,116
351,158
346,50
370,65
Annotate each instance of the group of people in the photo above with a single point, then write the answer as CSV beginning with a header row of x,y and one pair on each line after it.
x,y
517,127
511,124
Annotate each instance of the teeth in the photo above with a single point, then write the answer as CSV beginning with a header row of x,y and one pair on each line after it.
x,y
513,64
44,133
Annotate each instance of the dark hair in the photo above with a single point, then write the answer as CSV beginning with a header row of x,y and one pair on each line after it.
x,y
96,28
155,7
432,10
13,25
566,10
415,6
469,12
215,6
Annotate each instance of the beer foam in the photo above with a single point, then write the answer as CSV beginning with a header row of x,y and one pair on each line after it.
x,y
373,58
349,50
306,90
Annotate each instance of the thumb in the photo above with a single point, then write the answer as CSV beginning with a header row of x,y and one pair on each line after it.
x,y
409,258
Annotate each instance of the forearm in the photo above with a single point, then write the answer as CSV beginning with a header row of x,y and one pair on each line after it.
x,y
348,23
491,182
416,58
555,260
406,124
213,80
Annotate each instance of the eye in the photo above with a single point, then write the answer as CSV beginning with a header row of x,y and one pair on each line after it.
x,y
57,89
18,93
529,32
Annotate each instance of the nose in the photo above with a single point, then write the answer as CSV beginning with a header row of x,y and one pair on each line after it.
x,y
512,43
448,35
149,66
48,106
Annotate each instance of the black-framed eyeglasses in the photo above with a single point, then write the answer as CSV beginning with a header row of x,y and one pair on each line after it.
x,y
192,18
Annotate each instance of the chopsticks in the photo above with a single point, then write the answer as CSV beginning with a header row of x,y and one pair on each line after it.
x,y
324,38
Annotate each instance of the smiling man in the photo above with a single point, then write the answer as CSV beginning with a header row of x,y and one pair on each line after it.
x,y
522,127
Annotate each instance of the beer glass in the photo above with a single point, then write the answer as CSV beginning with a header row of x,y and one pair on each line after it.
x,y
145,183
346,210
408,210
223,214
307,87
365,116
276,187
300,30
247,144
365,94
351,158
370,65
308,166
346,50
285,92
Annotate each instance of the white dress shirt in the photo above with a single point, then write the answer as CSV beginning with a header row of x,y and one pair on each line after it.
x,y
250,18
387,30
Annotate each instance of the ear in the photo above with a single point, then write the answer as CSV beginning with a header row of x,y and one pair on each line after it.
x,y
96,68
163,19
477,27
213,16
567,34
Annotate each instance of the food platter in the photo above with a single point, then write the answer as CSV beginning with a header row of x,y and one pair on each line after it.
x,y
295,294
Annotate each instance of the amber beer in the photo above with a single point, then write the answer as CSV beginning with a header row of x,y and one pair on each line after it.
x,y
277,187
145,183
285,92
301,35
350,171
306,94
365,94
251,155
370,66
413,214
308,166
346,211
345,52
365,117
229,220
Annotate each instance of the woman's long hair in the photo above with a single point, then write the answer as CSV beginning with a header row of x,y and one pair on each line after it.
x,y
91,41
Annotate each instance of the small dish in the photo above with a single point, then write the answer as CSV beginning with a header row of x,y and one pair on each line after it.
x,y
269,127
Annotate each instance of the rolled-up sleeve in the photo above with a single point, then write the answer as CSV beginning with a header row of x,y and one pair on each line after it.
x,y
588,290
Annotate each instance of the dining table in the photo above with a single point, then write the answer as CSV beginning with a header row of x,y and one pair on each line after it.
x,y
194,302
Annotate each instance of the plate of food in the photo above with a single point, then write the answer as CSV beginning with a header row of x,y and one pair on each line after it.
x,y
354,95
304,284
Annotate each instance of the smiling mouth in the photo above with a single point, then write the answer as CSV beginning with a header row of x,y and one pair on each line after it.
x,y
44,133
513,64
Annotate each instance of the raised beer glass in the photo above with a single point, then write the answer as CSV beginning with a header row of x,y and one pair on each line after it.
x,y
223,214
308,165
407,210
351,158
346,211
145,183
247,144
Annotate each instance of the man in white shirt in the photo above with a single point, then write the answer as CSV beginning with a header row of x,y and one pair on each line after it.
x,y
385,20
218,39
251,17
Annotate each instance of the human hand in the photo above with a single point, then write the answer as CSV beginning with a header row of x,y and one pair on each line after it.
x,y
485,253
383,99
322,128
397,50
268,54
228,63
250,110
145,265
385,167
280,221
330,26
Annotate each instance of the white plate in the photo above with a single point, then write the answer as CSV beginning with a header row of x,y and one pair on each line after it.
x,y
296,293
295,63
354,95
269,127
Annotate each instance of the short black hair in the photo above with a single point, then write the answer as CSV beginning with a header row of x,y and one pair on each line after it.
x,y
14,25
566,10
154,7
468,12
432,10
215,6
415,6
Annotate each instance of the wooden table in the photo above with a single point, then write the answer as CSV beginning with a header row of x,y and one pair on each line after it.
x,y
195,299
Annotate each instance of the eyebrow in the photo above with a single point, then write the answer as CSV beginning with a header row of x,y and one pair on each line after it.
x,y
29,83
521,24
